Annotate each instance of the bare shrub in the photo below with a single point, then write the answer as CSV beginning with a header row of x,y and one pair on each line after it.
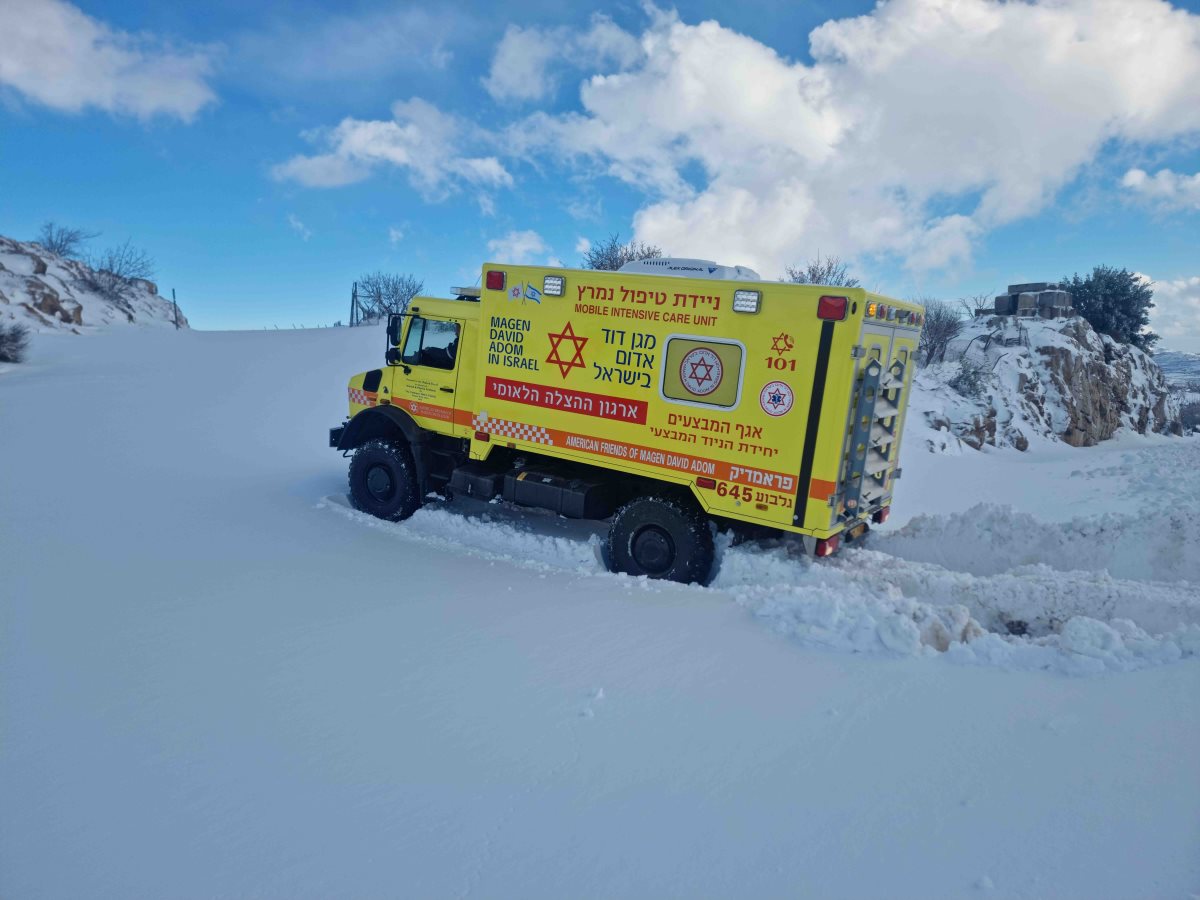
x,y
830,270
381,294
971,378
610,254
113,271
975,304
62,241
14,341
942,325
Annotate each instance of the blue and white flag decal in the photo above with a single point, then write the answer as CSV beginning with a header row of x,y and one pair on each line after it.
x,y
532,293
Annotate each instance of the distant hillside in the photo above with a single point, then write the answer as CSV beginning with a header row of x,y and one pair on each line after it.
x,y
49,293
1179,367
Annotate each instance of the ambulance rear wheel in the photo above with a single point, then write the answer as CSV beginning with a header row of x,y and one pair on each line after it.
x,y
383,480
661,537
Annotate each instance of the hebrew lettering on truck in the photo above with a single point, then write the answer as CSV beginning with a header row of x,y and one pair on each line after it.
x,y
671,397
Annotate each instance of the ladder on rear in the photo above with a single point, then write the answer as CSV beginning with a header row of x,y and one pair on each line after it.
x,y
872,455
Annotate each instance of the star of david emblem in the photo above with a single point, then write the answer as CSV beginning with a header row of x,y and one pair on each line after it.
x,y
775,398
577,343
701,371
782,343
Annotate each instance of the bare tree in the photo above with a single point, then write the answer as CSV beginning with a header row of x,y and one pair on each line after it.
x,y
830,270
381,294
63,241
942,325
14,340
610,254
975,304
113,272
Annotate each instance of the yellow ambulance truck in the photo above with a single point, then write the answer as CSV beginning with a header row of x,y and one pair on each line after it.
x,y
671,396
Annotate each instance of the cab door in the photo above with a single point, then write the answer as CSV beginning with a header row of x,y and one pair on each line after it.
x,y
426,379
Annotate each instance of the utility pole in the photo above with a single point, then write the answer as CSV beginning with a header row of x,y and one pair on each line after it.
x,y
353,304
176,306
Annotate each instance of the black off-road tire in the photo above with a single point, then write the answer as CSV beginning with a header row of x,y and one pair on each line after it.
x,y
661,537
383,480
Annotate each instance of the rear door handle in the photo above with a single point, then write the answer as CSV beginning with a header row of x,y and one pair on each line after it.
x,y
447,390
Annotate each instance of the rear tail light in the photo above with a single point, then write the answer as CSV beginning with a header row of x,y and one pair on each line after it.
x,y
828,546
881,312
833,308
881,515
495,280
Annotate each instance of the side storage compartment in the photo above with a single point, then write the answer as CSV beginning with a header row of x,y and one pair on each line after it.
x,y
576,498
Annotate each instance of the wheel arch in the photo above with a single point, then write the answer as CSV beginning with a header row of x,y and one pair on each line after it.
x,y
385,422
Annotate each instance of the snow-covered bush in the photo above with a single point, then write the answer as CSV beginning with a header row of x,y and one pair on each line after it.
x,y
14,340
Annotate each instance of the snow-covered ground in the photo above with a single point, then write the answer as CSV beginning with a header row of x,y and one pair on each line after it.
x,y
216,679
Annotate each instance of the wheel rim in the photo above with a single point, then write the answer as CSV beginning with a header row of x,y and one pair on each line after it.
x,y
653,550
380,485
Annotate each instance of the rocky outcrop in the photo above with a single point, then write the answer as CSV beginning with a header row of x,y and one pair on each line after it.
x,y
47,292
1014,383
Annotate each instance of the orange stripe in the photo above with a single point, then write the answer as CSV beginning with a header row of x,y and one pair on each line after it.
x,y
776,482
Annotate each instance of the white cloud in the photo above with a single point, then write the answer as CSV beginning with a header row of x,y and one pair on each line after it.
x,y
1166,189
919,127
395,236
583,245
517,247
1176,313
299,227
56,55
348,47
522,68
419,139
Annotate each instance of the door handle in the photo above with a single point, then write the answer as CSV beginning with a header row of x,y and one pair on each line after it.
x,y
447,390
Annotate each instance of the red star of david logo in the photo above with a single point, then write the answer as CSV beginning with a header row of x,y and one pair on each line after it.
x,y
701,371
576,361
783,343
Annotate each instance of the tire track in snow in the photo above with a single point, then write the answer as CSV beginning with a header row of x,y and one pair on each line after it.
x,y
870,600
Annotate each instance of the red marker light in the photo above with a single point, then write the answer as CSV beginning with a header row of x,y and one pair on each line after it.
x,y
832,308
482,436
495,280
828,546
708,483
881,515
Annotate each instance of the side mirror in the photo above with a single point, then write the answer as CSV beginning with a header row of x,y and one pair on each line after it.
x,y
395,323
393,356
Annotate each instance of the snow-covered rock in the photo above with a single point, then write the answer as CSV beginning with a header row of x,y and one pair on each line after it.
x,y
1016,382
50,293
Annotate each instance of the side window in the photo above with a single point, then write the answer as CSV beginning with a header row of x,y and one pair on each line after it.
x,y
412,346
431,343
440,345
703,372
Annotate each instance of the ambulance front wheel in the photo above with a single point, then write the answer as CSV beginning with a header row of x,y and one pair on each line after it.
x,y
383,480
661,537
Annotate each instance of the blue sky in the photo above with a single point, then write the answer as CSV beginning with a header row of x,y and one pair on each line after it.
x,y
267,154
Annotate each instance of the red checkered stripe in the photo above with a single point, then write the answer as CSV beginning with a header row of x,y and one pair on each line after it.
x,y
518,430
361,397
